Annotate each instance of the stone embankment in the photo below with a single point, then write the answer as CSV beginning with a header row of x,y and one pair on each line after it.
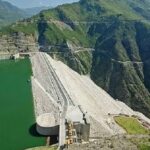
x,y
99,105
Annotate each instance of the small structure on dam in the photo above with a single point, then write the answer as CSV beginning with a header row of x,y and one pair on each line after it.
x,y
77,122
47,125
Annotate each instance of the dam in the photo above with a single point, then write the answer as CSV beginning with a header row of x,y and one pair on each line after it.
x,y
73,102
52,100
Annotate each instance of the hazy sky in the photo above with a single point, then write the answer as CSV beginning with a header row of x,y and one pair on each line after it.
x,y
37,3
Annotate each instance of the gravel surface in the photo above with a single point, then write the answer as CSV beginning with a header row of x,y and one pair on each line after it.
x,y
106,143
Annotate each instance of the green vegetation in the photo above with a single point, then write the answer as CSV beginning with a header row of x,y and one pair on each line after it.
x,y
115,29
131,125
27,29
142,143
16,106
144,146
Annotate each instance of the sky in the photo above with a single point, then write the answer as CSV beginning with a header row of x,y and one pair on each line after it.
x,y
38,3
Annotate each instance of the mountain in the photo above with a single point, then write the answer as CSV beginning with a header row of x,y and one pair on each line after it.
x,y
35,10
10,13
117,30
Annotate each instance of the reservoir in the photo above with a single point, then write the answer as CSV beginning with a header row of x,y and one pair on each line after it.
x,y
17,119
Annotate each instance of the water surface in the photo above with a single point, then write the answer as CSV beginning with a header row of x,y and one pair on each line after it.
x,y
17,117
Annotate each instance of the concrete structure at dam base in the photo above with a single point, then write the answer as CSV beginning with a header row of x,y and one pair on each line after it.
x,y
77,125
46,125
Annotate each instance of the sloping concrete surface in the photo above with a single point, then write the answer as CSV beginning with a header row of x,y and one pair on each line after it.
x,y
98,104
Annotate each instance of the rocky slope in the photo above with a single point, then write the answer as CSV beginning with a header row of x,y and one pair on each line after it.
x,y
17,42
118,30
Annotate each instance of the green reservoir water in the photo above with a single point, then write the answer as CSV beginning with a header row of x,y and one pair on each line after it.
x,y
16,107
